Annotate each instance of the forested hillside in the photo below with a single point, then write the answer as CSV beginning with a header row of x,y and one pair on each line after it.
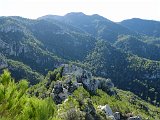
x,y
148,27
94,56
18,102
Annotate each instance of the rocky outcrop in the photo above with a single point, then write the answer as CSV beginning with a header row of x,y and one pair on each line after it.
x,y
62,90
135,118
3,63
106,109
116,116
75,77
13,48
108,112
10,28
58,93
85,77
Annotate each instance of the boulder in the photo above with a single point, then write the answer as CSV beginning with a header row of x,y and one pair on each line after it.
x,y
106,109
117,115
135,118
112,117
57,88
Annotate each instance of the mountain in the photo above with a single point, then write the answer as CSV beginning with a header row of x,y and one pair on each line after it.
x,y
95,25
127,71
20,70
147,27
32,48
18,43
138,47
65,43
41,45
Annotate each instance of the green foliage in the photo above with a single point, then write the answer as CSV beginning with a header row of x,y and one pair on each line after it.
x,y
22,71
83,104
77,106
109,62
30,48
137,46
70,110
45,87
15,104
54,75
126,102
80,94
5,78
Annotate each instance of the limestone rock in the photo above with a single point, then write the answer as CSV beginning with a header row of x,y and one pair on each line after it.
x,y
117,115
86,79
135,118
106,109
59,93
3,63
75,77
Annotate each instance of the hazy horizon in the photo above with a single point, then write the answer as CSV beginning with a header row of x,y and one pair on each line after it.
x,y
115,10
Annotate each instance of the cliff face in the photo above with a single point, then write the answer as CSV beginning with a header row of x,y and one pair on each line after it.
x,y
18,43
3,63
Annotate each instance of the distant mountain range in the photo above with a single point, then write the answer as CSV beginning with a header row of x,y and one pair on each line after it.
x,y
127,52
147,27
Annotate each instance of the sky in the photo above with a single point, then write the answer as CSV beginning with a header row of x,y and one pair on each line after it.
x,y
115,10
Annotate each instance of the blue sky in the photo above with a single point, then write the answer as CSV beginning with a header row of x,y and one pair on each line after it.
x,y
115,10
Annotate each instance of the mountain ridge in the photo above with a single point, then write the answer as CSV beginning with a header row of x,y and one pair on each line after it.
x,y
148,27
44,44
